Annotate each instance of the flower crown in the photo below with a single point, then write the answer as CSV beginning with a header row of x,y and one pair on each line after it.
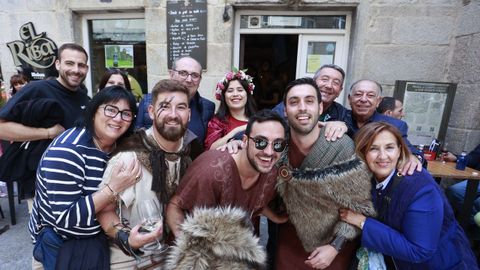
x,y
235,74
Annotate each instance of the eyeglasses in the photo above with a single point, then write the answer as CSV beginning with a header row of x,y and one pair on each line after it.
x,y
184,75
112,112
262,143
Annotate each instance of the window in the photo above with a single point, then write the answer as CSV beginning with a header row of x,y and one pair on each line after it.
x,y
118,43
281,21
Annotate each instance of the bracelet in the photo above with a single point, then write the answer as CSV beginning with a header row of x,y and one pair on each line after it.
x,y
338,243
111,197
113,192
121,240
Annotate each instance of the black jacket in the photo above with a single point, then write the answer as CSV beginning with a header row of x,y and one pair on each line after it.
x,y
20,160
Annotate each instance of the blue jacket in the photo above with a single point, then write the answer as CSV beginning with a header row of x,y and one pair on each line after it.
x,y
143,120
418,228
378,117
202,111
473,158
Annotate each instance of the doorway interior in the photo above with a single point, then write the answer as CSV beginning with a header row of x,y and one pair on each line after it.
x,y
271,60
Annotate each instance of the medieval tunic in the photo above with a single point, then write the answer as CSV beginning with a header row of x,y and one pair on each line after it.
x,y
213,180
130,149
291,253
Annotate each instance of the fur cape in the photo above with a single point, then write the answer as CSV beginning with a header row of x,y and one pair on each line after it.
x,y
152,157
217,238
314,196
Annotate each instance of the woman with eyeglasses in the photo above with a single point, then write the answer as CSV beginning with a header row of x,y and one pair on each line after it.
x,y
63,224
415,227
235,93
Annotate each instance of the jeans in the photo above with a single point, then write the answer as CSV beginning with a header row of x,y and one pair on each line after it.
x,y
46,248
456,195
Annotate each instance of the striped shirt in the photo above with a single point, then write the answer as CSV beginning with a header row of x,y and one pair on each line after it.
x,y
68,174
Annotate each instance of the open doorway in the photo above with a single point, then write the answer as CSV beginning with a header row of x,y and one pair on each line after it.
x,y
271,59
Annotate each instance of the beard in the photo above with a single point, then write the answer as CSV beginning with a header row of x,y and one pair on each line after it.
x,y
253,163
171,134
64,75
302,129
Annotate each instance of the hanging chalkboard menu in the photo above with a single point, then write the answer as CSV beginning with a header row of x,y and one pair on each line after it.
x,y
187,30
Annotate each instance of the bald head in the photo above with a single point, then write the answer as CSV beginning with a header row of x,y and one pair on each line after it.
x,y
188,71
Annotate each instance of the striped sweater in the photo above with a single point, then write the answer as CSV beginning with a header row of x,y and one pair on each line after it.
x,y
68,174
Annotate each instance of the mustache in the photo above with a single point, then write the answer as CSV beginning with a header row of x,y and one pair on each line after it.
x,y
175,119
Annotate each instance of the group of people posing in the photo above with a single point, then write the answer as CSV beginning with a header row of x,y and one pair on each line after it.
x,y
335,201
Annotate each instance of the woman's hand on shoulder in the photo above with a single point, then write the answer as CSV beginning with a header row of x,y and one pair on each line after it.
x,y
125,174
353,218
232,146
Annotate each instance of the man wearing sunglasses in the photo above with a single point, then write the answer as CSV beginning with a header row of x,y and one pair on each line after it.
x,y
315,180
188,71
245,179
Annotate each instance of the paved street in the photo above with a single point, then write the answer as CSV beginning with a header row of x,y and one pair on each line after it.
x,y
15,245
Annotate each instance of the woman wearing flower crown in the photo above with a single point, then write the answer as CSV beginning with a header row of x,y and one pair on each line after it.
x,y
235,92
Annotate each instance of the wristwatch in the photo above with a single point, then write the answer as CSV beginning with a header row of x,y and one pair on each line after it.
x,y
338,243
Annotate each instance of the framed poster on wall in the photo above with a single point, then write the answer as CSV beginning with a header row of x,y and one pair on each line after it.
x,y
427,107
119,56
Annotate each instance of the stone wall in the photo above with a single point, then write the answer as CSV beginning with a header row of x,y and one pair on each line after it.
x,y
425,40
464,127
402,40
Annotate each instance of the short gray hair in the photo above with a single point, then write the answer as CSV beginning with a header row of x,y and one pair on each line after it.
x,y
367,80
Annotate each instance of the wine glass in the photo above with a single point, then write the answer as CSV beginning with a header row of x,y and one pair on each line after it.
x,y
150,214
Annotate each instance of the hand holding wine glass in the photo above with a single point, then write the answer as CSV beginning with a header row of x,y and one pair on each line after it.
x,y
151,225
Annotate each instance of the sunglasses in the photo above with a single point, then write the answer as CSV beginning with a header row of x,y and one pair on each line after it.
x,y
262,143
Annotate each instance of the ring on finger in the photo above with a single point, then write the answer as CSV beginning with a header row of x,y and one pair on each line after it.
x,y
137,178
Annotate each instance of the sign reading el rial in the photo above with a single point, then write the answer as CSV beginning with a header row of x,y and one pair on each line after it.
x,y
34,52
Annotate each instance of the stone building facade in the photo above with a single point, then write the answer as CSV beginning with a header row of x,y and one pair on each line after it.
x,y
383,40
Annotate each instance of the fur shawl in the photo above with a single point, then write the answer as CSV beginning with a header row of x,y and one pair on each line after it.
x,y
153,158
217,238
314,196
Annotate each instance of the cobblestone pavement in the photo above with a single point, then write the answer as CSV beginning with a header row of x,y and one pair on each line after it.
x,y
15,244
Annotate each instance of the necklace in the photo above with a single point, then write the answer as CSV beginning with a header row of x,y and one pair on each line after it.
x,y
111,147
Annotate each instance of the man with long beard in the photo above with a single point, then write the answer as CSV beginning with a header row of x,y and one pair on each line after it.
x,y
163,152
245,179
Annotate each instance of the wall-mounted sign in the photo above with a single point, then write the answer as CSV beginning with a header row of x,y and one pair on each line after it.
x,y
427,107
35,53
187,30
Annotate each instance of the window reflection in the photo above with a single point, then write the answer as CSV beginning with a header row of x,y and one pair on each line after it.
x,y
119,43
